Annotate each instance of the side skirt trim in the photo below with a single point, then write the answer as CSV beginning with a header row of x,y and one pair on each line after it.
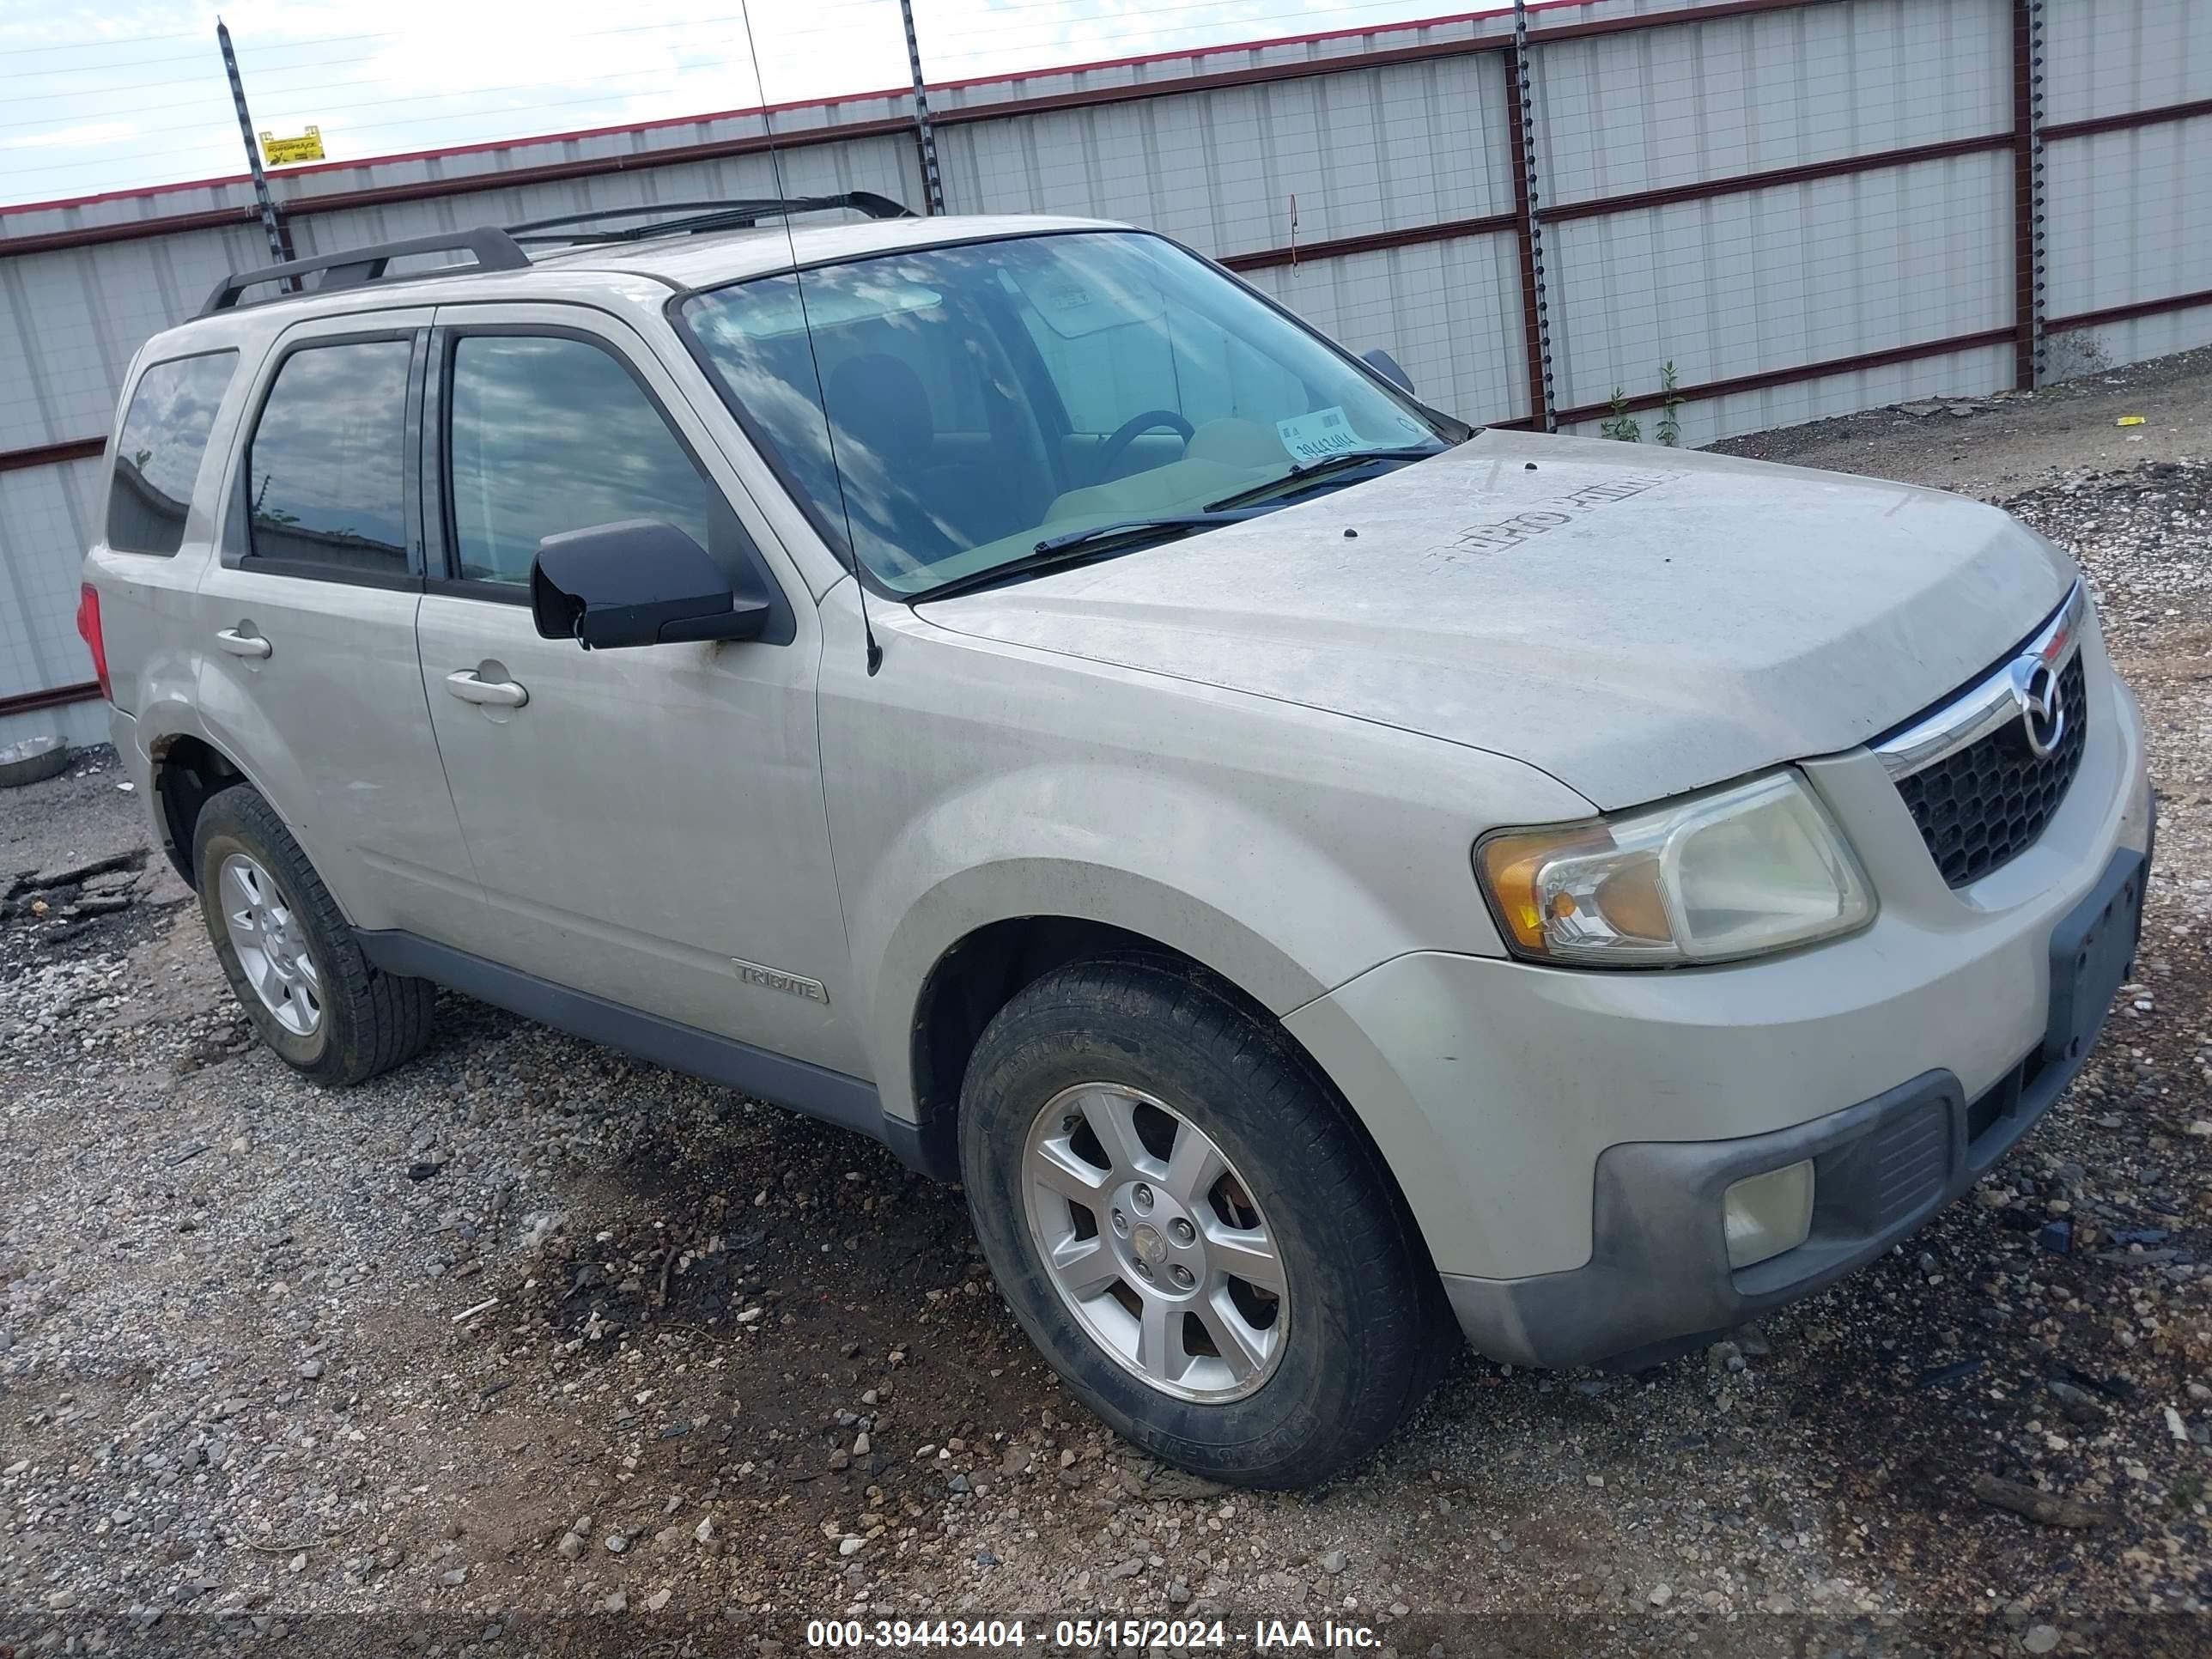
x,y
850,1102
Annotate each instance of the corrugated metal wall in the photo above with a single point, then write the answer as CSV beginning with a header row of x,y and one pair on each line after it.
x,y
1802,272
1805,206
2131,207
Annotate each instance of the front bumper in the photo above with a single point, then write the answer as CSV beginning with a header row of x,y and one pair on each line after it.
x,y
1522,1107
1660,1277
1659,1280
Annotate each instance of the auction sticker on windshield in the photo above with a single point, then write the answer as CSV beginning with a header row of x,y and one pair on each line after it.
x,y
1325,432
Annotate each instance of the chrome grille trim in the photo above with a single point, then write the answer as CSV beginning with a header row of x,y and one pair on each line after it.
x,y
1988,706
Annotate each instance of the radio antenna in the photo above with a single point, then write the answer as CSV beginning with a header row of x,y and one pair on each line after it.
x,y
813,357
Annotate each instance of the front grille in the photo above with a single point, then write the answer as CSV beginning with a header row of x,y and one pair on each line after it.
x,y
1982,807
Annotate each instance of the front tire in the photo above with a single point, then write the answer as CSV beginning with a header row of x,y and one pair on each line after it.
x,y
1191,1227
291,960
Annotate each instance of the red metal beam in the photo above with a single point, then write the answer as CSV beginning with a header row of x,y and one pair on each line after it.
x,y
27,703
1790,376
130,230
2128,313
1660,19
1706,188
76,449
1336,248
1365,31
591,167
2136,117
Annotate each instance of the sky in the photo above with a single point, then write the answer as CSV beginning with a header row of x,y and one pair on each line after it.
x,y
124,93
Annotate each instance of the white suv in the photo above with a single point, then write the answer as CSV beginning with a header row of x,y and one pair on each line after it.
x,y
1315,871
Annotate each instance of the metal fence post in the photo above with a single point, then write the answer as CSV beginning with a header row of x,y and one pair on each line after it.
x,y
2029,193
279,244
932,186
1520,104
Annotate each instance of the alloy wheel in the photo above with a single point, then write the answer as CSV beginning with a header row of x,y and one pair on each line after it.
x,y
271,945
1155,1242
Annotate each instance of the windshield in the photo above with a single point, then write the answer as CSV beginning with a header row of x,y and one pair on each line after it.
x,y
983,398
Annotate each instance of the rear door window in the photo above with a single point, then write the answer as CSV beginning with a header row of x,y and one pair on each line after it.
x,y
326,473
158,454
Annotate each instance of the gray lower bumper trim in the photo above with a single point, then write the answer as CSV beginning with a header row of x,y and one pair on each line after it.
x,y
1659,1268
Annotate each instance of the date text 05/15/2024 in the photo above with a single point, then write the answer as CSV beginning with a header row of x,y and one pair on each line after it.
x,y
1092,1635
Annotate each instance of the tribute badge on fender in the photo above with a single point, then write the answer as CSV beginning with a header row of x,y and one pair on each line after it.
x,y
775,979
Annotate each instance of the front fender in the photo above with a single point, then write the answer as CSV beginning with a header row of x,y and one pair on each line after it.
x,y
1256,888
1193,874
1243,893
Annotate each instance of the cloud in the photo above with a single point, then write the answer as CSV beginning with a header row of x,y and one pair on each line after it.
x,y
91,133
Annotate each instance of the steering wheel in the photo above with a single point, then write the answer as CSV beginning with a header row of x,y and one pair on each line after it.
x,y
1111,451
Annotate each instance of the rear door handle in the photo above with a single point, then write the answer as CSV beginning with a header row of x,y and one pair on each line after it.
x,y
499,694
242,645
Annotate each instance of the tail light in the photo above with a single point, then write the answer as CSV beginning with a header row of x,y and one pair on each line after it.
x,y
88,625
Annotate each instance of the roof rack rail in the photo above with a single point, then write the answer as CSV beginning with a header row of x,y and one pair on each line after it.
x,y
354,267
693,218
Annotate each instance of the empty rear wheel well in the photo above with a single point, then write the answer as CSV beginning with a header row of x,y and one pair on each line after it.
x,y
187,774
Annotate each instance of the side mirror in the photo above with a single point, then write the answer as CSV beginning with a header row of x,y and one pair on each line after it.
x,y
1386,365
636,582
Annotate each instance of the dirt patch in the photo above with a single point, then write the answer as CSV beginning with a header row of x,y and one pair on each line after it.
x,y
2014,442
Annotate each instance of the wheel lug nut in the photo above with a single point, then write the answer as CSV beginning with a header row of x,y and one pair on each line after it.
x,y
1141,1196
1183,1231
1144,1270
1121,1224
1181,1277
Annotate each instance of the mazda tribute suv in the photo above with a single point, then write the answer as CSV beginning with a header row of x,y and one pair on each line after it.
x,y
1323,877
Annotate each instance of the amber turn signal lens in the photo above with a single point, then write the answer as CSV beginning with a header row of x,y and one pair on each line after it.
x,y
1512,863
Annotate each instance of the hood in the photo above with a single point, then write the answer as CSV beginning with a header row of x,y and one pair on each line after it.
x,y
1637,622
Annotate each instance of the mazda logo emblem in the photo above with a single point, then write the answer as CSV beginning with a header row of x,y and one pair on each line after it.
x,y
2042,705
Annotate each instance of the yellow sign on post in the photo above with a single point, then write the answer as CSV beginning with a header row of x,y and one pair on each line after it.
x,y
279,152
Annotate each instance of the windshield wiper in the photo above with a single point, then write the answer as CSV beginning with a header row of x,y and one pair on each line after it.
x,y
1075,546
1306,473
1121,527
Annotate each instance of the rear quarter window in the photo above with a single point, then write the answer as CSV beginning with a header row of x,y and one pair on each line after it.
x,y
159,452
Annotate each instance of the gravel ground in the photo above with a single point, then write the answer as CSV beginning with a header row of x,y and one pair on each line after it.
x,y
528,1347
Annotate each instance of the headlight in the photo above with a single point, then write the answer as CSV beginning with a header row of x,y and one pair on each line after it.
x,y
1738,872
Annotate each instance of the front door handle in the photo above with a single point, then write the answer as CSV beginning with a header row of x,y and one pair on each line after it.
x,y
242,645
499,694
